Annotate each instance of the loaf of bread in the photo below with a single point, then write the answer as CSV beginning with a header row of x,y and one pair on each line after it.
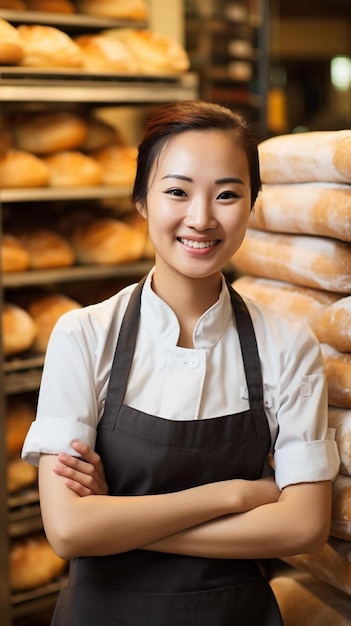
x,y
322,156
19,416
73,168
19,475
11,46
335,325
307,208
118,164
311,261
341,512
332,565
46,132
47,249
51,6
139,223
18,329
99,135
338,372
14,256
33,563
13,5
155,53
107,241
106,54
48,47
45,310
296,302
134,10
19,168
340,420
304,600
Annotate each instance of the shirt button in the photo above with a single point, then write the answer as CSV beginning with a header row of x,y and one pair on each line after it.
x,y
193,362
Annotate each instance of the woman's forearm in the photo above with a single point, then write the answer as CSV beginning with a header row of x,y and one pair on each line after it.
x,y
299,522
102,524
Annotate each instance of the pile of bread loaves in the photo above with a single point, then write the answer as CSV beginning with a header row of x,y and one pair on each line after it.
x,y
135,10
296,258
126,50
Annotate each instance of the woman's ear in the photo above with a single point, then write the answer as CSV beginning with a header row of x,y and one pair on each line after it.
x,y
141,208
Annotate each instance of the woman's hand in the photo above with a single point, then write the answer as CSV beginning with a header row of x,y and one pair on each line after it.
x,y
85,475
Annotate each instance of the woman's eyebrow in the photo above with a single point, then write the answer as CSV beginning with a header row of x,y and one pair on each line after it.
x,y
229,179
179,176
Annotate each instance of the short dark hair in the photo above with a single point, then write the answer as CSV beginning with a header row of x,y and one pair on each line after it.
x,y
191,115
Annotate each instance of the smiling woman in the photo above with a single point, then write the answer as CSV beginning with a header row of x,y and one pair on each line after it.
x,y
153,473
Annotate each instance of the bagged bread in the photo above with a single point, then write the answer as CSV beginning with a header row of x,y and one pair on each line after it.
x,y
304,600
107,241
296,302
318,262
50,131
45,310
335,325
341,512
18,329
306,157
11,46
306,208
47,249
47,46
19,168
338,372
340,420
14,256
135,10
73,168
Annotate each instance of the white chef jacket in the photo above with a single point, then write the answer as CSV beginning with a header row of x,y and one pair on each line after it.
x,y
184,384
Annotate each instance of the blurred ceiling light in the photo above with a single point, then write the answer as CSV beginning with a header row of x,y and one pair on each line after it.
x,y
340,72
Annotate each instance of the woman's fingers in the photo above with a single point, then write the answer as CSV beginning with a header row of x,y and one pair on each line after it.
x,y
84,476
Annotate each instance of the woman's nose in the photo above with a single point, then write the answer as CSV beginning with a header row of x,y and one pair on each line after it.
x,y
200,215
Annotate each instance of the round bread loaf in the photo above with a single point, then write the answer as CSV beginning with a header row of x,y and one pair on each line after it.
x,y
19,329
107,241
51,6
45,311
118,164
47,46
33,563
14,256
135,10
99,135
47,249
106,54
19,168
155,53
72,168
19,475
11,46
19,416
335,325
47,132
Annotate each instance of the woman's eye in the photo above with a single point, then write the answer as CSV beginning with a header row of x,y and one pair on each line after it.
x,y
176,192
228,195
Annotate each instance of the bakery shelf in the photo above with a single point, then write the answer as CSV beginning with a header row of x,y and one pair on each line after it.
x,y
77,21
49,194
24,513
60,86
36,600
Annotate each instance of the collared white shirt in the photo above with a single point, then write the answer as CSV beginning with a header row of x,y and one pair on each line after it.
x,y
184,384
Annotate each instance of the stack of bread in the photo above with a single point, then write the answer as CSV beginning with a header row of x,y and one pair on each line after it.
x,y
296,258
132,10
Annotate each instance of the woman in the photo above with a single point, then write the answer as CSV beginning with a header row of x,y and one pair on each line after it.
x,y
202,388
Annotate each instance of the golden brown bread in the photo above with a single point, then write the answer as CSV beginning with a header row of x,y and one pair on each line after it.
x,y
19,168
13,5
307,208
72,168
47,249
340,420
45,311
118,165
135,10
19,329
45,132
332,565
51,6
19,475
311,261
139,223
338,372
322,156
14,256
99,135
106,54
47,46
335,325
341,512
296,302
33,563
19,416
155,53
11,46
107,241
304,600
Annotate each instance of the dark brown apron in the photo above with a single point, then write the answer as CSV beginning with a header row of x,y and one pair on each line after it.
x,y
144,454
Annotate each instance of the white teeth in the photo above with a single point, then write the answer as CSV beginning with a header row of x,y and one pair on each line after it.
x,y
198,244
